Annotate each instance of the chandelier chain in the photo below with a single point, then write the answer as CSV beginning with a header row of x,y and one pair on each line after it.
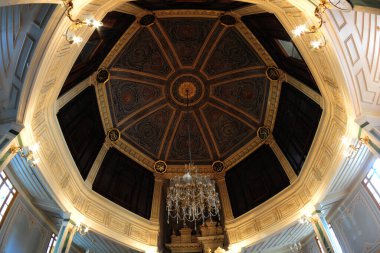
x,y
188,124
191,198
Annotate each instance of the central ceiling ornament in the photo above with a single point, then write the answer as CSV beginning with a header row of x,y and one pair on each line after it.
x,y
187,88
190,197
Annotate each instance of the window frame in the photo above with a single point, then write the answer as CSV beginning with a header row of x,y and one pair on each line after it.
x,y
335,238
285,53
3,182
52,243
367,181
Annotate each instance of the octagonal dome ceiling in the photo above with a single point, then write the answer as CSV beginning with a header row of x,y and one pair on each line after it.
x,y
222,72
220,61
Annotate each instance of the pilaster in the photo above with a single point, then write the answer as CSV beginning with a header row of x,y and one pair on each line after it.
x,y
223,193
321,229
65,236
157,196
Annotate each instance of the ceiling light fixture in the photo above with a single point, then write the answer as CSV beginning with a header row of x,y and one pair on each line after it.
x,y
77,23
306,219
192,197
352,149
28,153
313,29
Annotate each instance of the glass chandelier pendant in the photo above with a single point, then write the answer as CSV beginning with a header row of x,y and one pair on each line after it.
x,y
190,197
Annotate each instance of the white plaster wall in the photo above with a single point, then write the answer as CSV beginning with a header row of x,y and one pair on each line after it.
x,y
22,231
357,223
311,246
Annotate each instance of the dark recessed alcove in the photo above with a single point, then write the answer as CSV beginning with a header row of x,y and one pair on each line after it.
x,y
254,180
125,183
82,128
296,123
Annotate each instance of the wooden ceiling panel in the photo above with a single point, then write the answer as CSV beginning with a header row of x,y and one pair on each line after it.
x,y
232,52
179,151
144,55
149,132
187,35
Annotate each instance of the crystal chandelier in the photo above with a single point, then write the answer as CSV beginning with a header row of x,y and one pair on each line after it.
x,y
192,197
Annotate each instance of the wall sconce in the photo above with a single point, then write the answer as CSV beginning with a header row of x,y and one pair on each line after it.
x,y
313,29
352,149
77,23
306,219
27,153
82,229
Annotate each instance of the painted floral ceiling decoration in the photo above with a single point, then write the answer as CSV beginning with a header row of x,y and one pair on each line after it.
x,y
225,78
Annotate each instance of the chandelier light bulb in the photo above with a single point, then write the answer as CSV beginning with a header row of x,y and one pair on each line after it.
x,y
187,177
345,141
97,23
93,23
76,40
36,161
316,44
299,30
35,147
